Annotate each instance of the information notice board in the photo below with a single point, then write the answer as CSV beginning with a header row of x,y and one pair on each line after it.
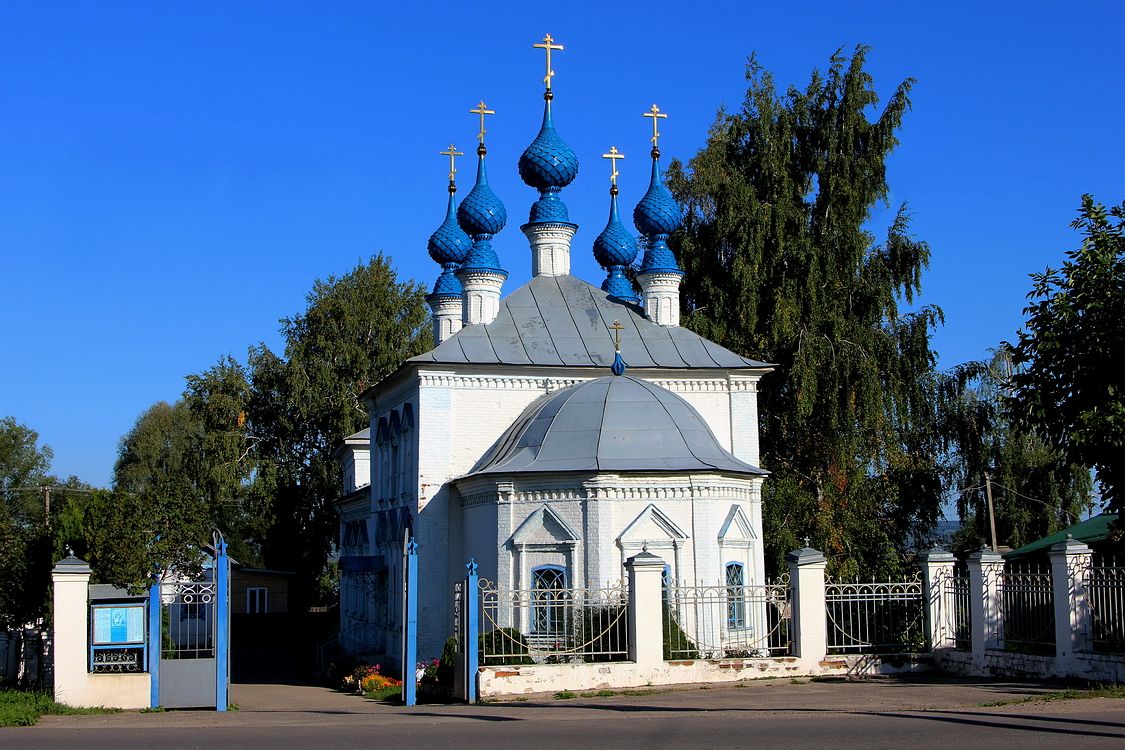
x,y
118,624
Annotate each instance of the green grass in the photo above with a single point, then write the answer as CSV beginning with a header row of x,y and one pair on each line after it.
x,y
22,708
382,694
564,695
1070,694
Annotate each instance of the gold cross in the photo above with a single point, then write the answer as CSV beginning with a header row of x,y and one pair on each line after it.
x,y
655,114
617,328
548,45
613,156
482,110
452,153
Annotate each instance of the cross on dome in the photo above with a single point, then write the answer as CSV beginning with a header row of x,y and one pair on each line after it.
x,y
482,110
452,153
656,116
613,156
547,45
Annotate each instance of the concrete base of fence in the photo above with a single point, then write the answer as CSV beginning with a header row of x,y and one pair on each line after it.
x,y
497,682
997,663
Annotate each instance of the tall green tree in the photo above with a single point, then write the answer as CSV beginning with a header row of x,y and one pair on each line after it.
x,y
355,330
159,490
1035,490
1068,386
781,265
31,538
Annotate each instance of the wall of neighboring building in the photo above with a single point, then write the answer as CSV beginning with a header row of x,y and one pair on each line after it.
x,y
275,584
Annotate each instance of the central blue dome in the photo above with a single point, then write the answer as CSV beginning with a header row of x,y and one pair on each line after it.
x,y
548,162
612,423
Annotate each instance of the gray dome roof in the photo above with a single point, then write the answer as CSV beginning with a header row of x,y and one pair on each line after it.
x,y
609,424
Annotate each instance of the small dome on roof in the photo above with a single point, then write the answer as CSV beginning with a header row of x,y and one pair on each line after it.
x,y
609,424
449,244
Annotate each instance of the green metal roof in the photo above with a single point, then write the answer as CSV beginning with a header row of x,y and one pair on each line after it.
x,y
1091,530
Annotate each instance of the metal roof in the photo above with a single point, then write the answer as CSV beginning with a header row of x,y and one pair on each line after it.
x,y
563,321
609,424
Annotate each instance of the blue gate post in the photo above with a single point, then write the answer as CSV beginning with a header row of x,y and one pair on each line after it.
x,y
410,623
155,640
222,624
469,644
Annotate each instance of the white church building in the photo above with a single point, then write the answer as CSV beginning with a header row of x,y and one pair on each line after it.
x,y
551,433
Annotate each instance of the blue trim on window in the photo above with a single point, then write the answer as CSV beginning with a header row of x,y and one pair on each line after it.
x,y
736,598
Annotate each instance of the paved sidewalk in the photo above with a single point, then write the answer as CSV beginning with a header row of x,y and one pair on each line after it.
x,y
261,705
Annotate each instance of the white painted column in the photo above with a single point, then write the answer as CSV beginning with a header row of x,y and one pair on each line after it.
x,y
937,578
810,634
70,636
660,293
646,631
447,315
1070,564
550,247
986,618
480,295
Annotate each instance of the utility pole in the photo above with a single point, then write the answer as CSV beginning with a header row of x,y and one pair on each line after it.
x,y
47,505
991,512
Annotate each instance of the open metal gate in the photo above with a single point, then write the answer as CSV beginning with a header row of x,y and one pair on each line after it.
x,y
193,666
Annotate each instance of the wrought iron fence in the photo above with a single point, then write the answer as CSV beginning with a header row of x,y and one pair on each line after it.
x,y
552,625
1027,609
875,618
1105,596
715,622
957,599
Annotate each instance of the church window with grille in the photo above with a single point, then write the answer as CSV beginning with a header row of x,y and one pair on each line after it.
x,y
736,595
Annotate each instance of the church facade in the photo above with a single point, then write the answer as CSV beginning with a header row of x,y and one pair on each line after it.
x,y
552,433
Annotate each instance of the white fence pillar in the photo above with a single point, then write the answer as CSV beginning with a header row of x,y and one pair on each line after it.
x,y
937,580
985,615
1070,564
806,575
646,620
71,579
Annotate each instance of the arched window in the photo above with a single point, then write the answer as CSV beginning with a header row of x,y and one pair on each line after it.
x,y
736,595
548,597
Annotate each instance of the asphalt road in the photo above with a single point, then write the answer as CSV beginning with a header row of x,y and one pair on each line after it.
x,y
874,714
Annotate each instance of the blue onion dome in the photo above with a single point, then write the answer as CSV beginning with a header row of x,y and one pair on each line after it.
x,y
449,244
615,246
618,286
658,212
448,285
548,165
481,212
482,215
657,216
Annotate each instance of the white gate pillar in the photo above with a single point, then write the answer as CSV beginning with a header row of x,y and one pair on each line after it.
x,y
1070,564
937,578
806,575
71,599
646,627
986,618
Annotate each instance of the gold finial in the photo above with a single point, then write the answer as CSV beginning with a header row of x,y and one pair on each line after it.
x,y
548,45
656,115
613,156
482,110
452,153
617,329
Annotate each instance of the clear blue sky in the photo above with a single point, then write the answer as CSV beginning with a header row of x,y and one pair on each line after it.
x,y
174,176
